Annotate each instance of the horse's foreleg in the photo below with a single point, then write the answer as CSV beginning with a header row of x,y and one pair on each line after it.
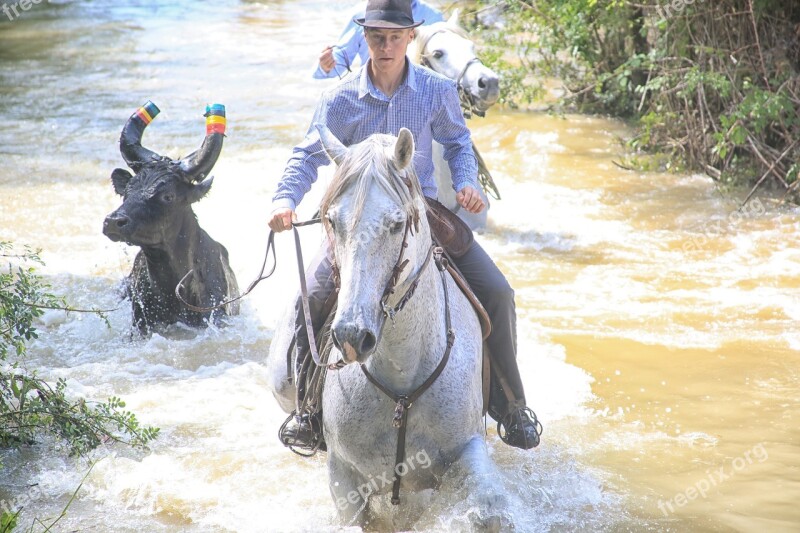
x,y
349,491
480,472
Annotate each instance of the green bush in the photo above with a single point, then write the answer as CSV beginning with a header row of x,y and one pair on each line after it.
x,y
713,85
29,406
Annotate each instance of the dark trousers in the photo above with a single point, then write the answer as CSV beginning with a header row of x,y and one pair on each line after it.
x,y
491,288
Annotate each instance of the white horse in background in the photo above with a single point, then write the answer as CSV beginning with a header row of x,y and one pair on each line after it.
x,y
445,48
372,209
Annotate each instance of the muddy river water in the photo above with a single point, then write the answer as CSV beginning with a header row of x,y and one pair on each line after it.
x,y
657,322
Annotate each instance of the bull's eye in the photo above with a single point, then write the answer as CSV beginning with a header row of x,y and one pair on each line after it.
x,y
396,227
168,197
437,54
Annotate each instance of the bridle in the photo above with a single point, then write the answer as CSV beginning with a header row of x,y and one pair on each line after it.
x,y
404,402
467,99
468,108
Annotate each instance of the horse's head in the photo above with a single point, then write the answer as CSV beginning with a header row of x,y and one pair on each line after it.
x,y
445,48
373,211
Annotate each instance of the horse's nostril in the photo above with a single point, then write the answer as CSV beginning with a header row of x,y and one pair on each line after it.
x,y
482,83
121,222
368,342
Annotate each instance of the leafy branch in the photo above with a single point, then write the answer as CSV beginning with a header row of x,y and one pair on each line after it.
x,y
31,407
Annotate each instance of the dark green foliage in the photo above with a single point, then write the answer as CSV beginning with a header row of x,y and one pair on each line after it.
x,y
29,406
713,85
8,522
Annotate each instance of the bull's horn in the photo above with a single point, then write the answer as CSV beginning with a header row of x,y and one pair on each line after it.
x,y
130,142
198,164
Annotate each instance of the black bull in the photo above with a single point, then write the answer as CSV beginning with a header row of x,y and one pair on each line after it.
x,y
156,215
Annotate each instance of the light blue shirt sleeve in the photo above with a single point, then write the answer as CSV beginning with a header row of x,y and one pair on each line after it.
x,y
352,45
450,130
426,12
301,169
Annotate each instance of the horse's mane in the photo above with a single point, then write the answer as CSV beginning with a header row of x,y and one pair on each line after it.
x,y
422,33
368,162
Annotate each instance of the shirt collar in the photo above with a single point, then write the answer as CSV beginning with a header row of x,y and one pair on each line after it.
x,y
366,87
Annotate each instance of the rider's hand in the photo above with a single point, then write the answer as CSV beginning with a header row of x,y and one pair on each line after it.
x,y
281,219
326,61
470,199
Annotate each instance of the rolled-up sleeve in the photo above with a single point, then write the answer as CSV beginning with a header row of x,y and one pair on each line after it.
x,y
449,129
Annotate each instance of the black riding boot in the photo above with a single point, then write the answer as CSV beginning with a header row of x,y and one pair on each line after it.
x,y
517,425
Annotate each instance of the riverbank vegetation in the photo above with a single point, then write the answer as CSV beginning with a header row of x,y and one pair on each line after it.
x,y
32,408
711,86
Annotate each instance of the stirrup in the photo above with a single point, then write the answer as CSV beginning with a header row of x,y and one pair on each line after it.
x,y
305,438
511,428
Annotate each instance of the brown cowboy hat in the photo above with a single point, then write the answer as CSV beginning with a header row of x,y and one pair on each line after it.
x,y
388,14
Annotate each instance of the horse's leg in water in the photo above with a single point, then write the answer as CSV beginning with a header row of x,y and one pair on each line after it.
x,y
476,468
345,483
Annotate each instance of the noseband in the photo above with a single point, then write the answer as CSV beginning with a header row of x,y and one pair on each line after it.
x,y
403,402
467,99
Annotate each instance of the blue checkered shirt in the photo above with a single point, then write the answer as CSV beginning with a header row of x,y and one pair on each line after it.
x,y
425,102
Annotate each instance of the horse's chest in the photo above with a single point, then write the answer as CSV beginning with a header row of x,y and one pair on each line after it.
x,y
358,422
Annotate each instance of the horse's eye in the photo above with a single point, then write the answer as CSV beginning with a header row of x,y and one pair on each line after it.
x,y
168,197
329,220
396,227
437,54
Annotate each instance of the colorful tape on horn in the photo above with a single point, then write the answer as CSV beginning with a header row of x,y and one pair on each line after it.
x,y
148,112
215,119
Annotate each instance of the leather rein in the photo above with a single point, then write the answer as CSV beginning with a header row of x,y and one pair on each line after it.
x,y
403,402
468,106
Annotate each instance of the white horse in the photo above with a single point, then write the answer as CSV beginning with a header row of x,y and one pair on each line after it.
x,y
374,208
445,48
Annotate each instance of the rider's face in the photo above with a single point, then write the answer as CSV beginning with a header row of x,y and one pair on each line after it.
x,y
387,48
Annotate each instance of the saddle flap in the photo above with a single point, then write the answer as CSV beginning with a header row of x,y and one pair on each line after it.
x,y
448,230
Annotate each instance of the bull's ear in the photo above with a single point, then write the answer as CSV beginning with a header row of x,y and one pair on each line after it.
x,y
200,190
120,178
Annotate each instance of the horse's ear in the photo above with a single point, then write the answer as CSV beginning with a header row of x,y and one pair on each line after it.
x,y
403,149
453,20
333,147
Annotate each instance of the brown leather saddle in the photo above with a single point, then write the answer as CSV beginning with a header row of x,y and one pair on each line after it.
x,y
453,234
